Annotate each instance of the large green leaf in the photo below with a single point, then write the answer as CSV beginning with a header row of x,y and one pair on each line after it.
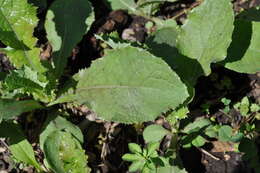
x,y
12,108
206,34
64,153
244,51
129,85
66,23
17,22
20,148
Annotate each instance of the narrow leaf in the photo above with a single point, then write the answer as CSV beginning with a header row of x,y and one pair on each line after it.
x,y
66,23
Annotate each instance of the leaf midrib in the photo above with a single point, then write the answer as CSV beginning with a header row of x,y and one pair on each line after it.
x,y
115,87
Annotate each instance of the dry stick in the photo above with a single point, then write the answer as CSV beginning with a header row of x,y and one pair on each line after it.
x,y
210,155
193,5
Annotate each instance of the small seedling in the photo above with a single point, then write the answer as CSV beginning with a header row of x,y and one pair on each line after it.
x,y
144,160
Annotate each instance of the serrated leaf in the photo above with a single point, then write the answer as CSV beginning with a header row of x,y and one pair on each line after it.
x,y
154,133
129,85
244,52
205,38
17,22
20,148
11,108
254,107
123,4
244,106
66,23
29,82
64,153
56,122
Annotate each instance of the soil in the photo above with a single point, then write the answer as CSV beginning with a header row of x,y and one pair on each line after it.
x,y
106,142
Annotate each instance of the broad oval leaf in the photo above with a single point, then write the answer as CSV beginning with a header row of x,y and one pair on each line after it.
x,y
66,23
206,34
20,148
129,85
17,22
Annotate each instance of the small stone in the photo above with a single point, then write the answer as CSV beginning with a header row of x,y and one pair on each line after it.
x,y
3,171
2,150
227,157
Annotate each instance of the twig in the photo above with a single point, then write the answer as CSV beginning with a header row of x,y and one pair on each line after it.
x,y
207,153
187,9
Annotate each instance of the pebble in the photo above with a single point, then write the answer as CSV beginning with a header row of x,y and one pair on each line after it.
x,y
2,150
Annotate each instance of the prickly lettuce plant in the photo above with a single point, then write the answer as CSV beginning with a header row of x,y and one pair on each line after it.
x,y
131,83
